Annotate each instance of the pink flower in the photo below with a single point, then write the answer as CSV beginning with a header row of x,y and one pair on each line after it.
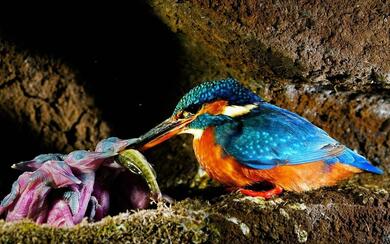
x,y
61,190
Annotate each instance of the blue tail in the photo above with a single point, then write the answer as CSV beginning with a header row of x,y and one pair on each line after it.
x,y
354,159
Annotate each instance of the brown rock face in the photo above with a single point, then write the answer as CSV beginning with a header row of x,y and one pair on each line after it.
x,y
331,40
42,94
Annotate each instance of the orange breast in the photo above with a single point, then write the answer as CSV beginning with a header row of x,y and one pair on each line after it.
x,y
303,177
223,168
226,170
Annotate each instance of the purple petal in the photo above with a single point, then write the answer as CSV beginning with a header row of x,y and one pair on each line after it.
x,y
102,197
92,206
20,209
2,210
9,199
114,144
88,180
134,191
60,215
13,197
72,197
139,198
17,188
32,189
41,218
86,161
59,174
39,201
37,162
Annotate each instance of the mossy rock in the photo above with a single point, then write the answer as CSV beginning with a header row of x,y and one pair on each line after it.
x,y
349,213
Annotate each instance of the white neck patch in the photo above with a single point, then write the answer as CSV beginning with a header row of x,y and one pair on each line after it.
x,y
197,133
236,110
231,111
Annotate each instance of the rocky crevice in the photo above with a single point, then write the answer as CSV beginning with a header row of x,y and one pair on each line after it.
x,y
42,94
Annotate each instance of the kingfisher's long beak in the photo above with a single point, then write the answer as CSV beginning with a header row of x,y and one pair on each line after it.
x,y
161,133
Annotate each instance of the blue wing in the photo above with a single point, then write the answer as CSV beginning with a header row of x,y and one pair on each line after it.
x,y
271,136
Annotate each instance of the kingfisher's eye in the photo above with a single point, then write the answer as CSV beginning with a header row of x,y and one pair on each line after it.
x,y
192,109
188,112
185,115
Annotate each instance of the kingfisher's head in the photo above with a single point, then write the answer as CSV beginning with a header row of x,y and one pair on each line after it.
x,y
208,104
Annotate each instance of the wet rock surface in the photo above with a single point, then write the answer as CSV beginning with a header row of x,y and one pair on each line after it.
x,y
329,62
342,42
42,94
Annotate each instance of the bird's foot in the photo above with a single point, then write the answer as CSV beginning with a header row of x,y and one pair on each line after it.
x,y
277,190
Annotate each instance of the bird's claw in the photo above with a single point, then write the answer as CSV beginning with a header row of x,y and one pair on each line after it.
x,y
277,190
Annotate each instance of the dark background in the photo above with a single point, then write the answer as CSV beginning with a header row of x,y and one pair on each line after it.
x,y
127,59
124,56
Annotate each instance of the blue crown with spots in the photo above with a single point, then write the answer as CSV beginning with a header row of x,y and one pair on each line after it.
x,y
229,89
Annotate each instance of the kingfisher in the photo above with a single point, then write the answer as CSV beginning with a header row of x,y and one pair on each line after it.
x,y
241,140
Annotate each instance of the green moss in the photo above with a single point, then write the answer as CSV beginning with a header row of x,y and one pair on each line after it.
x,y
293,217
165,224
301,234
297,206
